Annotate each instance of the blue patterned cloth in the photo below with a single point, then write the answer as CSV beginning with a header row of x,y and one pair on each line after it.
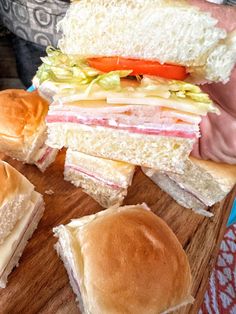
x,y
232,217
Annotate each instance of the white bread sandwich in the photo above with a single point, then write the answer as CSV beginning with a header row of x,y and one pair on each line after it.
x,y
105,180
119,80
124,260
203,183
23,130
21,208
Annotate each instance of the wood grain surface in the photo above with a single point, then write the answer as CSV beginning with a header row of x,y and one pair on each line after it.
x,y
40,283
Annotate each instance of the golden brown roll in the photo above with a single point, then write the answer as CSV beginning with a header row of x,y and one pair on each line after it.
x,y
23,129
124,260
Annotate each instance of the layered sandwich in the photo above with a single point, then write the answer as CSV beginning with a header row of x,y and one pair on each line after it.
x,y
136,266
203,184
105,180
119,79
21,208
23,130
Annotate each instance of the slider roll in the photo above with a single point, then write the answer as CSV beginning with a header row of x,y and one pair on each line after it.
x,y
23,130
124,260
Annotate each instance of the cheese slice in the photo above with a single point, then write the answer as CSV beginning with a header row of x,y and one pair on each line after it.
x,y
8,247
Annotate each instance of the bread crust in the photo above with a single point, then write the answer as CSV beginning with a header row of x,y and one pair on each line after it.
x,y
22,114
12,183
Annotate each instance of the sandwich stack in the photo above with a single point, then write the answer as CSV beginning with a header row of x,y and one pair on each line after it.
x,y
117,106
130,100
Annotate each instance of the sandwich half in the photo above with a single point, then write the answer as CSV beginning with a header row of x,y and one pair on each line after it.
x,y
119,79
151,122
23,130
124,260
105,180
21,208
203,183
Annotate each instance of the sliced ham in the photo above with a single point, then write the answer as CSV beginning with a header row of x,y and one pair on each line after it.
x,y
136,119
114,185
103,110
47,152
175,130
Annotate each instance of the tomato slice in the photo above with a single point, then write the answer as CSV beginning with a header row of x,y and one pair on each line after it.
x,y
139,67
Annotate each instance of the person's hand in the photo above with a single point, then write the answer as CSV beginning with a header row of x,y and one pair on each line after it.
x,y
218,133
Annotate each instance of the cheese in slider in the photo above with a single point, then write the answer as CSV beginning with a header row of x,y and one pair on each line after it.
x,y
21,208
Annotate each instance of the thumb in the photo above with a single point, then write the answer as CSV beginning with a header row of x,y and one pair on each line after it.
x,y
196,150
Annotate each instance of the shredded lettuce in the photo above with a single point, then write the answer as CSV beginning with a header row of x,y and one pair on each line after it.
x,y
68,69
173,89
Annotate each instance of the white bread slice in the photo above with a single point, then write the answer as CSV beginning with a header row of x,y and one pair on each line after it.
x,y
104,180
203,183
166,31
166,153
219,63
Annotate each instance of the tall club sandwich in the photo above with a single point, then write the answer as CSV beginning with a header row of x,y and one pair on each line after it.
x,y
21,208
203,183
23,130
119,79
136,266
105,180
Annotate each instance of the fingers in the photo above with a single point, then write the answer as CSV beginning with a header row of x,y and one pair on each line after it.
x,y
226,15
218,141
224,94
196,152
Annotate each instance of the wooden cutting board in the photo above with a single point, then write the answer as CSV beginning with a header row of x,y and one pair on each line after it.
x,y
40,283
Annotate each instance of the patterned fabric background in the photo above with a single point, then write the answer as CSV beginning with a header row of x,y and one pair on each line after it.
x,y
220,297
230,2
34,20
